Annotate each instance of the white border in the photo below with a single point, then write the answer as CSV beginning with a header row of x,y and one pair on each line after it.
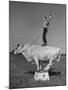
x,y
45,1
4,43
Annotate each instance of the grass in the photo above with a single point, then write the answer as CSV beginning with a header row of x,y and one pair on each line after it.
x,y
22,73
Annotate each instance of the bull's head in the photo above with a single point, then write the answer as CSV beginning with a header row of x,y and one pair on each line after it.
x,y
18,48
21,48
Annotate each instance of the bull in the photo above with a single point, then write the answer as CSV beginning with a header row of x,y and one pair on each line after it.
x,y
37,52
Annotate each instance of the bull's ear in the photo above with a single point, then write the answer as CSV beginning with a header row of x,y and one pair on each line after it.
x,y
18,45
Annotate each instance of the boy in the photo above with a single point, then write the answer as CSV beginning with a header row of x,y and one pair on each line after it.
x,y
46,22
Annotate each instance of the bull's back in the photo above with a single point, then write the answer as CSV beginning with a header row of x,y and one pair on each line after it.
x,y
43,50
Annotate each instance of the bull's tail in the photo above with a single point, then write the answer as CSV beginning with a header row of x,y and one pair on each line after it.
x,y
58,56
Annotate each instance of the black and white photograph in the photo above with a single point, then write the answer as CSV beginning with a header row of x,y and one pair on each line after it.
x,y
37,44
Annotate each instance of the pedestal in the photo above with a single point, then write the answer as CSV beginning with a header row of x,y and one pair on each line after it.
x,y
43,76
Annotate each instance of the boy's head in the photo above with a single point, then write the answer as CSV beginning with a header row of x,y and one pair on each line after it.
x,y
47,18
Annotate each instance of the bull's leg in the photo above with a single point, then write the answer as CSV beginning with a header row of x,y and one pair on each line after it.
x,y
39,66
58,57
48,66
37,63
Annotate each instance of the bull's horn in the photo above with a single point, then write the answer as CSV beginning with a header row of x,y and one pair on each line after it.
x,y
24,48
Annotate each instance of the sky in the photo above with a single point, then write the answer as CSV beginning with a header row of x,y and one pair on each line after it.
x,y
25,24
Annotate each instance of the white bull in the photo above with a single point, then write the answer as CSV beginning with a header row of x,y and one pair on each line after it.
x,y
37,52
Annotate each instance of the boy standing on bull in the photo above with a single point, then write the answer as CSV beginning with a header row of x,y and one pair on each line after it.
x,y
46,23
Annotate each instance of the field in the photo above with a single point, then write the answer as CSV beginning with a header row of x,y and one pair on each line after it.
x,y
22,73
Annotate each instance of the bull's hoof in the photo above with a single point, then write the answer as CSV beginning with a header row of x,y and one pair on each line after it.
x,y
42,76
